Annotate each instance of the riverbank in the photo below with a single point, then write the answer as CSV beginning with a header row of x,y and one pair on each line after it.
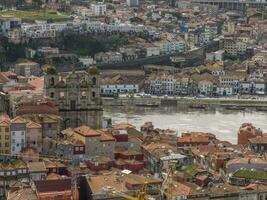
x,y
186,101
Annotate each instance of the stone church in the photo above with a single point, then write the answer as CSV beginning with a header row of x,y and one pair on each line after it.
x,y
76,95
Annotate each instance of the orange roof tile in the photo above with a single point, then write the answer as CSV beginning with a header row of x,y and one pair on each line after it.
x,y
33,125
18,120
38,83
105,137
5,122
153,146
87,131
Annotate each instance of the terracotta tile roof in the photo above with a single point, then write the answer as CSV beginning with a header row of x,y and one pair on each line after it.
x,y
53,176
18,120
258,140
33,125
5,122
105,137
8,74
45,186
87,131
135,179
23,194
179,189
97,183
38,83
36,109
122,126
36,166
199,139
246,161
153,146
43,118
3,79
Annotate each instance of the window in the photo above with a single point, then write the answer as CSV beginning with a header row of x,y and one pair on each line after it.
x,y
22,133
94,80
52,94
6,129
72,105
52,81
76,148
13,133
6,144
7,137
93,94
81,148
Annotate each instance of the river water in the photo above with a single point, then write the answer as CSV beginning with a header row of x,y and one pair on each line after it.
x,y
223,123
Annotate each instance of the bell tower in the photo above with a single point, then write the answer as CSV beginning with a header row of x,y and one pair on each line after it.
x,y
51,79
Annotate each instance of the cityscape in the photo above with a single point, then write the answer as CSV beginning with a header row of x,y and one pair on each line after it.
x,y
133,99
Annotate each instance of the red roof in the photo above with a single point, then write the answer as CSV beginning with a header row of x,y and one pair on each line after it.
x,y
18,120
5,122
38,83
87,131
33,125
36,109
105,137
45,186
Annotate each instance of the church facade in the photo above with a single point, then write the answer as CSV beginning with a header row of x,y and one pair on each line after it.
x,y
77,96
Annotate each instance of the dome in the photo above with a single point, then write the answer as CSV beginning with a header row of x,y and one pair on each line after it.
x,y
93,70
51,70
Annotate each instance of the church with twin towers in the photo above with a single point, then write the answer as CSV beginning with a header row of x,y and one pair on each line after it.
x,y
76,94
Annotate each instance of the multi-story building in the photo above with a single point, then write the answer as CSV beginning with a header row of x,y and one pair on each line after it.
x,y
5,136
8,23
27,69
99,8
232,81
205,87
96,143
17,134
151,49
132,3
168,84
14,36
230,46
34,136
77,96
168,47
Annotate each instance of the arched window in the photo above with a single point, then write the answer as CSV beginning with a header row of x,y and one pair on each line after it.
x,y
52,94
52,81
83,94
94,80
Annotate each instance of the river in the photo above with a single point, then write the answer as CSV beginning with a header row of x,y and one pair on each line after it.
x,y
223,123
